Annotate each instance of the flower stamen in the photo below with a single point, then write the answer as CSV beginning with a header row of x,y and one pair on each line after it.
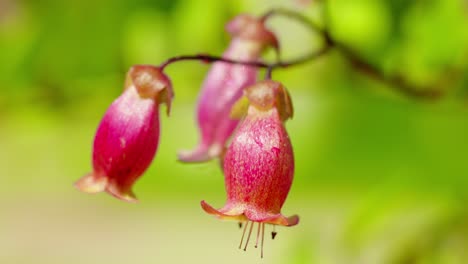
x,y
243,233
273,233
248,237
258,234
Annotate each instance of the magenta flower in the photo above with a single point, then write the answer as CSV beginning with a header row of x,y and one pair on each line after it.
x,y
259,163
127,137
224,84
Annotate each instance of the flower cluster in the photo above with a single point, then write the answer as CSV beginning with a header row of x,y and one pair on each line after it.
x,y
240,120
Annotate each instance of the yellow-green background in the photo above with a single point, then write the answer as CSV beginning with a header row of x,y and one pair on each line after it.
x,y
380,178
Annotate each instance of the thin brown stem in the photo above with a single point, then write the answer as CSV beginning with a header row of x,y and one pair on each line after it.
x,y
268,73
397,82
279,64
210,59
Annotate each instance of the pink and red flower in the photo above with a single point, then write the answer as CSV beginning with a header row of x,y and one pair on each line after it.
x,y
259,163
127,137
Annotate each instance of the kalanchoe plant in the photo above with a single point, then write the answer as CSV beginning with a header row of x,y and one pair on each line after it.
x,y
224,84
127,137
259,163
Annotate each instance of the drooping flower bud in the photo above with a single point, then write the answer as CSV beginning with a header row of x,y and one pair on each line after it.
x,y
224,84
259,163
127,137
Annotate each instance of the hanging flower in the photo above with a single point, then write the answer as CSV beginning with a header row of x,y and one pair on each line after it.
x,y
224,84
259,163
127,137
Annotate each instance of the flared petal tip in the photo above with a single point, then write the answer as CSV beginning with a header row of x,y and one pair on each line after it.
x,y
188,156
231,215
200,154
293,220
124,195
277,219
209,209
90,183
285,221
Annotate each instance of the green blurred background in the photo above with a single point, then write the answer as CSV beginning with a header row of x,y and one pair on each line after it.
x,y
380,177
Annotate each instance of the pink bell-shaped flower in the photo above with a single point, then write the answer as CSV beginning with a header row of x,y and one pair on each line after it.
x,y
127,137
224,84
259,163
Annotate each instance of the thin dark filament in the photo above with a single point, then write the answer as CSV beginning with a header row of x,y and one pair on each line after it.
x,y
248,237
263,236
243,233
258,234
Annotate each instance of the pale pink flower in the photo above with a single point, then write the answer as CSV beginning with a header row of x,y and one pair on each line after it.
x,y
224,84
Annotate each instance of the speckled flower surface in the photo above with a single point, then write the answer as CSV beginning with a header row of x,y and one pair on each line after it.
x,y
127,137
259,163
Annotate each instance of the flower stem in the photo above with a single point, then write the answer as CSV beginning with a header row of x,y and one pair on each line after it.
x,y
206,58
396,82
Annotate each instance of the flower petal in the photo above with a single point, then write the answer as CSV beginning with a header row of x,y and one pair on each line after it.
x,y
277,219
124,195
91,183
200,154
210,210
